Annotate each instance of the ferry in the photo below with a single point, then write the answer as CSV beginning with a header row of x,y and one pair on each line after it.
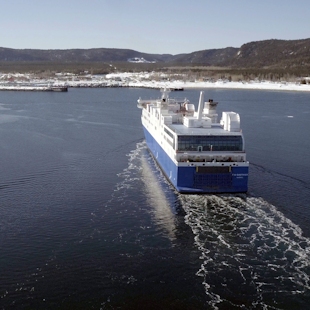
x,y
196,153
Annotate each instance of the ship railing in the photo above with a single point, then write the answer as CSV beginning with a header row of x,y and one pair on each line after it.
x,y
177,100
198,157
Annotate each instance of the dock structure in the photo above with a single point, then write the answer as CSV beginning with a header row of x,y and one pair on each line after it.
x,y
19,87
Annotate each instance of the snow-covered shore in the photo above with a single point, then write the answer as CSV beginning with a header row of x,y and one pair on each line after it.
x,y
145,80
223,84
142,79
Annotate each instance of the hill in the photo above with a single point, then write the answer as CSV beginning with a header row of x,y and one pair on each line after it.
x,y
77,55
272,53
260,55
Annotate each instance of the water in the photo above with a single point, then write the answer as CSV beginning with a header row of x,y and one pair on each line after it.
x,y
88,221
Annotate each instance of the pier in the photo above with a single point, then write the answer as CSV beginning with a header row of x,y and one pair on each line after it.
x,y
18,87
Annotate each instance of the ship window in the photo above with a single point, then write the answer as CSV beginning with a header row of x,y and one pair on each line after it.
x,y
168,132
210,143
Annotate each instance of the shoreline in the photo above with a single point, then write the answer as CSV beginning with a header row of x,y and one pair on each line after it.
x,y
138,80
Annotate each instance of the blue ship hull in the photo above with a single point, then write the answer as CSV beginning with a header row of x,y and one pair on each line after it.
x,y
189,179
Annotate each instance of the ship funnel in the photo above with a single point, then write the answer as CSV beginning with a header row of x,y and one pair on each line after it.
x,y
165,94
201,105
210,110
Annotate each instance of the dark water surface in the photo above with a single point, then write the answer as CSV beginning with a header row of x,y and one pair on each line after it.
x,y
87,220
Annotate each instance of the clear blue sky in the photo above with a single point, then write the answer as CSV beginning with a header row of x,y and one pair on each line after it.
x,y
151,26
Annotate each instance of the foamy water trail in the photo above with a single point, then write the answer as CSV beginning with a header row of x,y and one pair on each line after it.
x,y
141,167
249,250
132,173
253,257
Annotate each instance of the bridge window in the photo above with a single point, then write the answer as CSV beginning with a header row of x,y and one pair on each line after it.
x,y
210,143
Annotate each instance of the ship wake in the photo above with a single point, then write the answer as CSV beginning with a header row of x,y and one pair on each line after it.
x,y
252,256
141,167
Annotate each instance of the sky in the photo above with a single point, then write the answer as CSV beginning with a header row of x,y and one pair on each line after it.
x,y
150,26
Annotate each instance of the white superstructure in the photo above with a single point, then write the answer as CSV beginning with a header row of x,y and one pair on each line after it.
x,y
191,138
